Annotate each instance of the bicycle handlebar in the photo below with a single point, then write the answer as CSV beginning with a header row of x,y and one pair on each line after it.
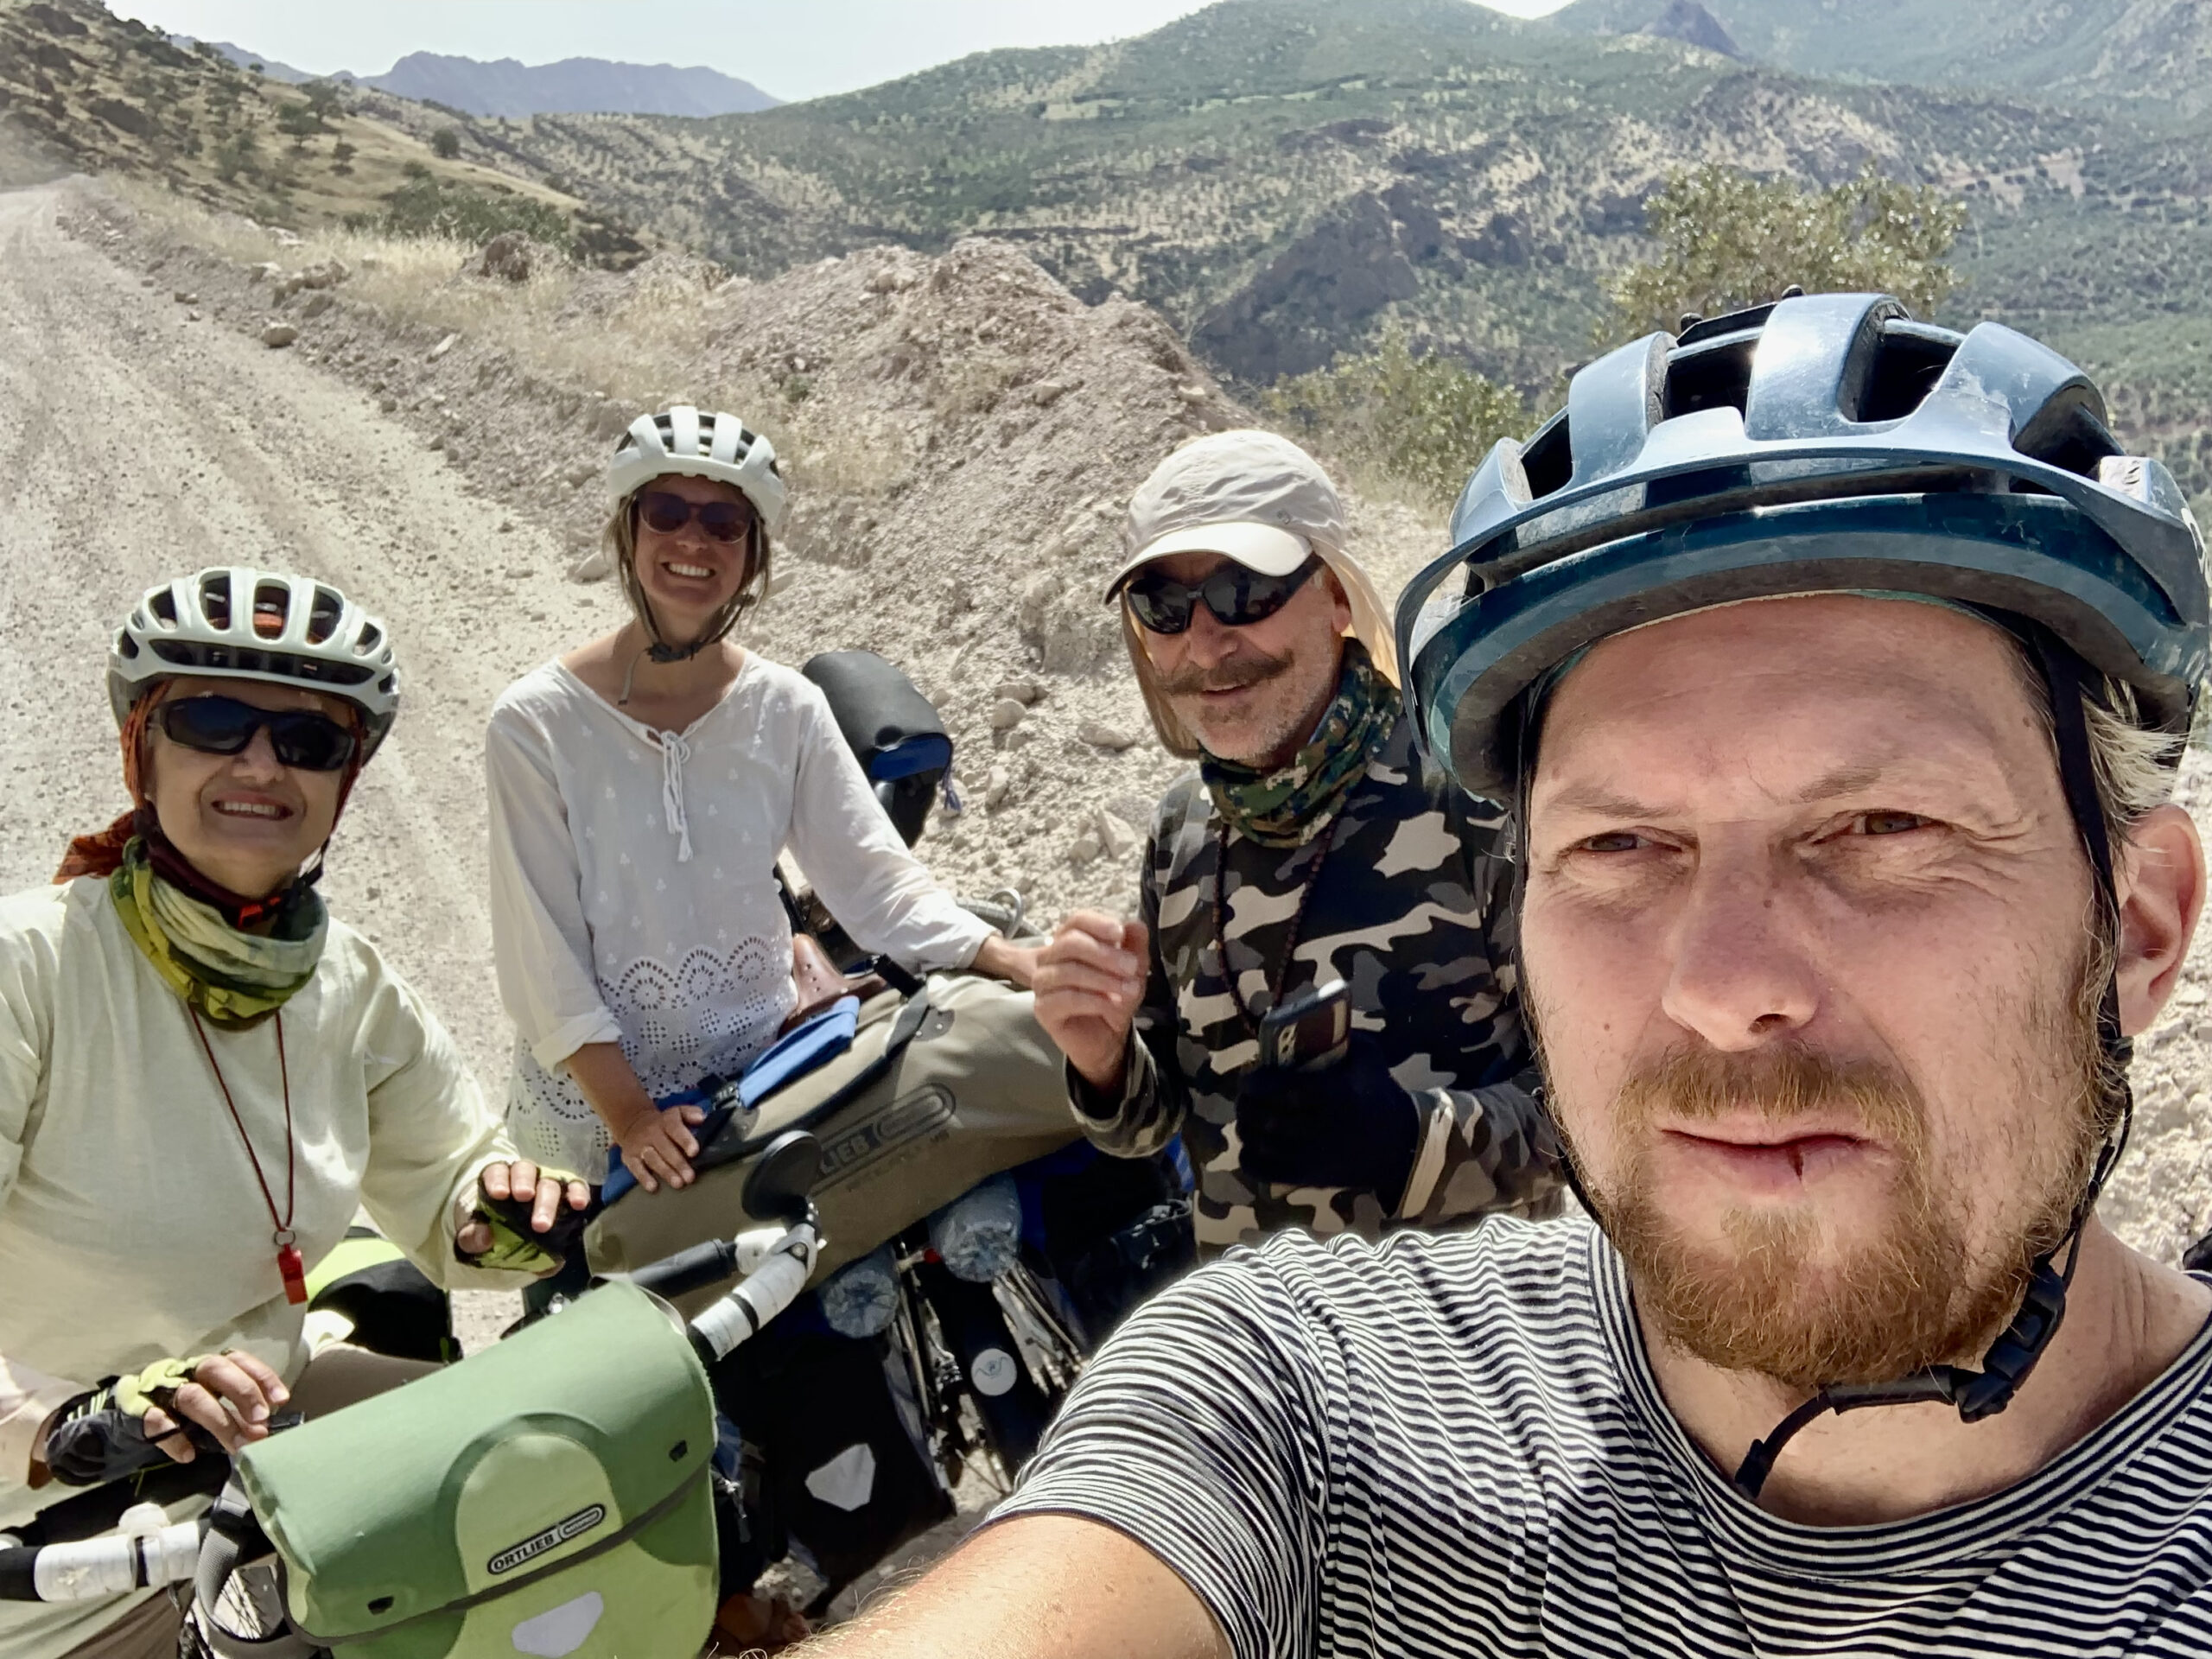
x,y
151,1553
148,1550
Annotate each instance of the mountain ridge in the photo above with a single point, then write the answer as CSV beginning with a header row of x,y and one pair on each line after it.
x,y
2153,53
508,87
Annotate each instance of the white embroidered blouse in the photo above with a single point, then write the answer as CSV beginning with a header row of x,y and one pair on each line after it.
x,y
633,885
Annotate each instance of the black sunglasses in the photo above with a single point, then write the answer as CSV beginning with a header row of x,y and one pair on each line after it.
x,y
1236,596
667,512
308,741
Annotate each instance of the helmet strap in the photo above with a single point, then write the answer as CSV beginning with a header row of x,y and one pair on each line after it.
x,y
2013,1355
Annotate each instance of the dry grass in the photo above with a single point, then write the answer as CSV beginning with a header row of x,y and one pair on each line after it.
x,y
638,339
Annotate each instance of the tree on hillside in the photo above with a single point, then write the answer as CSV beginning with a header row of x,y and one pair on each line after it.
x,y
1422,421
299,124
1729,239
445,143
324,98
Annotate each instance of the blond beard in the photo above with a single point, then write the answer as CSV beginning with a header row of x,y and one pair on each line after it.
x,y
1765,1302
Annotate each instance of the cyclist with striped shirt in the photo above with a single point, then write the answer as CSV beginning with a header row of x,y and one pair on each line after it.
x,y
1834,669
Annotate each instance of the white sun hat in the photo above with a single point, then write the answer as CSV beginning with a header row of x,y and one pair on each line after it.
x,y
1260,500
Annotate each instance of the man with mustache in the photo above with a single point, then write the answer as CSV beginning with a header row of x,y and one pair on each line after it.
x,y
1313,843
1834,669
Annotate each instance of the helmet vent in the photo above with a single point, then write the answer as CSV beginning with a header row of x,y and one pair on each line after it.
x,y
2068,432
372,637
323,618
272,608
1908,362
1715,375
215,598
163,604
1548,461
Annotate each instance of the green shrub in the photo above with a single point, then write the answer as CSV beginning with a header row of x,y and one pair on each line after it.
x,y
426,206
1423,421
445,143
1728,239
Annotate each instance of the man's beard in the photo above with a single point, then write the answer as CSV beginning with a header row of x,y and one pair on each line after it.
x,y
1772,1299
1271,726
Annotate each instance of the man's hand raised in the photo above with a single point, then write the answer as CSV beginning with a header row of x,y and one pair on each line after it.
x,y
1090,983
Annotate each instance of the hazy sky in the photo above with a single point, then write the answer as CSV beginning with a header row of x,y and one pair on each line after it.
x,y
791,48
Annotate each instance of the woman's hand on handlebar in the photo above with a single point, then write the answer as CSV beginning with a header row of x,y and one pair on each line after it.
x,y
659,1145
231,1396
545,1191
1001,958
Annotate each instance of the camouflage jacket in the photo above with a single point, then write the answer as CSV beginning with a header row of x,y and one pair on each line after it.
x,y
1412,910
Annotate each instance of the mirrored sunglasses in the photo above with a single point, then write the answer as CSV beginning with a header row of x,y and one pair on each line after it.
x,y
217,725
1236,596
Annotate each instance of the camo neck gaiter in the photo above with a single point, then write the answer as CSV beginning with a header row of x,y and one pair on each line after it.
x,y
1289,806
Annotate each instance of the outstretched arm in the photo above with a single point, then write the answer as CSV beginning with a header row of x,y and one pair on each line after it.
x,y
1037,1586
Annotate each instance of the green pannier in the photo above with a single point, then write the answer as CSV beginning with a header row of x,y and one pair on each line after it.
x,y
547,1496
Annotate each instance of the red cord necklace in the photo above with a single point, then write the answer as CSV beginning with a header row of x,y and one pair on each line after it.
x,y
288,1264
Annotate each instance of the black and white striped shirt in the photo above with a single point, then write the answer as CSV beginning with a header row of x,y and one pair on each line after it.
x,y
1454,1445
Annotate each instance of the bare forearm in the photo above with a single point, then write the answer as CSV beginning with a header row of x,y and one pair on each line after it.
x,y
1001,958
1043,1586
610,1084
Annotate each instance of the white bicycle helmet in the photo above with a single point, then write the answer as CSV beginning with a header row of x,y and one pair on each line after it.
x,y
683,441
242,624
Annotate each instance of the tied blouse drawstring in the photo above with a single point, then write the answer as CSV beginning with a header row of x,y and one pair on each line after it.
x,y
674,751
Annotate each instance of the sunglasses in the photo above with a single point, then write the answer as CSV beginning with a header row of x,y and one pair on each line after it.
x,y
1237,597
309,742
666,512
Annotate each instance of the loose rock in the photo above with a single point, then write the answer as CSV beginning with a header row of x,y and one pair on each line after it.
x,y
1100,736
1115,838
279,334
316,305
1006,713
185,297
996,787
1023,691
594,566
443,346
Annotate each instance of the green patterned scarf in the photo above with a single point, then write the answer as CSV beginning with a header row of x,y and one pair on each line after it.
x,y
234,979
1289,806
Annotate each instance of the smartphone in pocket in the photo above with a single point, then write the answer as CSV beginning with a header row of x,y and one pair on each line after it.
x,y
1309,1029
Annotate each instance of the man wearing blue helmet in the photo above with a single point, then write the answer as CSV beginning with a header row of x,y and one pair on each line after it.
x,y
1833,668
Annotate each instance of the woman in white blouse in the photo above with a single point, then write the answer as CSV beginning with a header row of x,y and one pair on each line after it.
x,y
642,787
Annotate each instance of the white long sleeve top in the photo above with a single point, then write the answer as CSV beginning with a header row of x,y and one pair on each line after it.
x,y
633,884
131,1226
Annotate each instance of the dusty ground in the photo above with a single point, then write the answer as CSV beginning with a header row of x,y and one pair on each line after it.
x,y
137,439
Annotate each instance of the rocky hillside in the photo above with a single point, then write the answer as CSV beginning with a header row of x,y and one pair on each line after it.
x,y
2155,54
1287,178
104,94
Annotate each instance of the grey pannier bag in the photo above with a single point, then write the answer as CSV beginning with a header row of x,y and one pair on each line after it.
x,y
937,1092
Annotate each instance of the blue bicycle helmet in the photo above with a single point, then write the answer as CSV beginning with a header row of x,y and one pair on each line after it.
x,y
1824,443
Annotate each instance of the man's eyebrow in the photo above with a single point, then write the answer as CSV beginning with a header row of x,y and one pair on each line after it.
x,y
1596,799
1842,780
1601,802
